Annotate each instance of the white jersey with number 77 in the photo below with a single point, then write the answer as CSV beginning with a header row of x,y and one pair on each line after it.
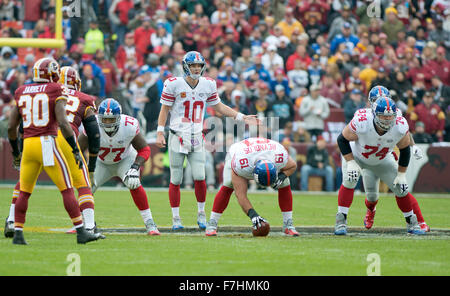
x,y
188,104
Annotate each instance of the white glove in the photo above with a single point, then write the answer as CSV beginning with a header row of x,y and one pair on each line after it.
x,y
417,152
256,221
353,171
401,182
132,178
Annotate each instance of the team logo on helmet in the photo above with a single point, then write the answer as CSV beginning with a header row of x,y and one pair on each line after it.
x,y
376,92
70,78
193,57
384,112
46,70
109,113
265,172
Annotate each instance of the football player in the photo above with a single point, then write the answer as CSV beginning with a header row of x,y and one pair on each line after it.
x,y
41,107
269,164
186,99
123,150
366,143
371,185
80,109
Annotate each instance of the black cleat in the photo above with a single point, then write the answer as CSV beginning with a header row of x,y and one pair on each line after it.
x,y
95,231
9,228
18,238
84,236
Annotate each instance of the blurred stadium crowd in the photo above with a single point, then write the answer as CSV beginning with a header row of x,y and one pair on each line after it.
x,y
268,57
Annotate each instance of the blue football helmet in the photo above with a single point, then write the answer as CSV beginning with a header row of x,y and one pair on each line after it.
x,y
193,57
384,106
109,108
265,172
378,91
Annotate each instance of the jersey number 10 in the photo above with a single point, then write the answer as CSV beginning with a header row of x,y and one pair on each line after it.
x,y
197,111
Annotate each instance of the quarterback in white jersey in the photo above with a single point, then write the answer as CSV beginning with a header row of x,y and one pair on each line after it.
x,y
123,150
371,182
185,99
366,144
269,164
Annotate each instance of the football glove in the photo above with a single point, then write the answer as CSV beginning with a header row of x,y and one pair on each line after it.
x,y
16,161
417,152
132,177
401,182
279,181
78,158
256,221
353,171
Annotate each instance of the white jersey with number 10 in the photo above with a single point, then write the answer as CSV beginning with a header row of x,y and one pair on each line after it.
x,y
188,104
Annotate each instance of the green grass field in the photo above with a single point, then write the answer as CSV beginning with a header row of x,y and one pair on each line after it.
x,y
230,253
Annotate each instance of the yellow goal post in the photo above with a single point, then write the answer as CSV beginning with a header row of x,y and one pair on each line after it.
x,y
57,42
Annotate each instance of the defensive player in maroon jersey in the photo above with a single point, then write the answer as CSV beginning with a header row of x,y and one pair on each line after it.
x,y
42,108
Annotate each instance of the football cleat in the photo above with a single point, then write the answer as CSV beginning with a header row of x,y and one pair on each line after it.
x,y
413,226
289,229
341,224
368,220
84,236
19,239
176,223
9,228
424,227
95,230
211,228
151,227
201,220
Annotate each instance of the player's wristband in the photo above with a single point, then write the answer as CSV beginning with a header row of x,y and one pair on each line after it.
x,y
135,166
252,213
160,129
92,162
73,143
239,116
15,147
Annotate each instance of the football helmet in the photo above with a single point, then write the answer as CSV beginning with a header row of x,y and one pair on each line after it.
x,y
109,109
70,78
384,112
193,57
265,172
46,70
378,91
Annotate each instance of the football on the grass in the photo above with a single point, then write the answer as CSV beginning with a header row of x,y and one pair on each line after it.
x,y
263,230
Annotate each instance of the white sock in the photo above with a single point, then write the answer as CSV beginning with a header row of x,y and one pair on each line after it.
x,y
11,212
407,214
215,216
287,216
201,206
343,210
88,218
79,225
146,214
176,212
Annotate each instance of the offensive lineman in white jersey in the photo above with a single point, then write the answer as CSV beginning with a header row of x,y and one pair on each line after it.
x,y
269,164
123,150
371,184
185,98
366,143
